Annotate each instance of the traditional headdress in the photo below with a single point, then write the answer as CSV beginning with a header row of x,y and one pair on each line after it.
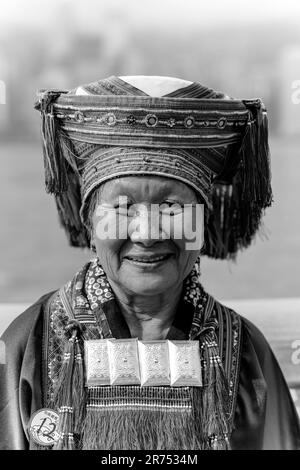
x,y
110,128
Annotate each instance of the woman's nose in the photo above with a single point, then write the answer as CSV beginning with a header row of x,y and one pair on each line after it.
x,y
143,228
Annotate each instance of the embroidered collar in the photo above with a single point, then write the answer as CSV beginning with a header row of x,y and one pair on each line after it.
x,y
93,296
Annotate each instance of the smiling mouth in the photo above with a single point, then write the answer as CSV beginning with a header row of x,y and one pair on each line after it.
x,y
148,260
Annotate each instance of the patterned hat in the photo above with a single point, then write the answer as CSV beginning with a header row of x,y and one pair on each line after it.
x,y
182,130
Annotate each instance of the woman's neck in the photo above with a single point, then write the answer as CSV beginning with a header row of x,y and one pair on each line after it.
x,y
148,317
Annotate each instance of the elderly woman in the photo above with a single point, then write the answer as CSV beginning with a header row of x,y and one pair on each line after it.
x,y
132,353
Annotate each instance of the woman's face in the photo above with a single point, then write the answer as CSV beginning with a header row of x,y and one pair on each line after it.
x,y
144,231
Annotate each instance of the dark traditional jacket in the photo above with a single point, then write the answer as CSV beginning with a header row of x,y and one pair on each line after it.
x,y
262,412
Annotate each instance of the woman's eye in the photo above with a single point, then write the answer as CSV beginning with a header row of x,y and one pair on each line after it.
x,y
171,208
174,203
125,210
122,210
168,208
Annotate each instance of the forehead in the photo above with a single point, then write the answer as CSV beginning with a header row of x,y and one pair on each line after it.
x,y
146,187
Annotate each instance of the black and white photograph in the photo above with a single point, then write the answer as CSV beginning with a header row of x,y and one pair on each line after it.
x,y
150,228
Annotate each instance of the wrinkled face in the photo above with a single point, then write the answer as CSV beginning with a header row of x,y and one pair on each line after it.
x,y
148,232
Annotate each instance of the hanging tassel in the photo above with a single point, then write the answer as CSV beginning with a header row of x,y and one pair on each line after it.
x,y
56,175
252,183
78,389
214,394
255,156
219,223
69,390
136,430
112,425
240,196
68,205
61,173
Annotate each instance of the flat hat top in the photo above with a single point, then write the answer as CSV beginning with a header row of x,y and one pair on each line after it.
x,y
149,84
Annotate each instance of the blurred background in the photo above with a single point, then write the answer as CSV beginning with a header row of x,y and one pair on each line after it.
x,y
247,49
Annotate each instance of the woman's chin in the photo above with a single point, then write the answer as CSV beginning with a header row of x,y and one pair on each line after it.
x,y
155,288
149,282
